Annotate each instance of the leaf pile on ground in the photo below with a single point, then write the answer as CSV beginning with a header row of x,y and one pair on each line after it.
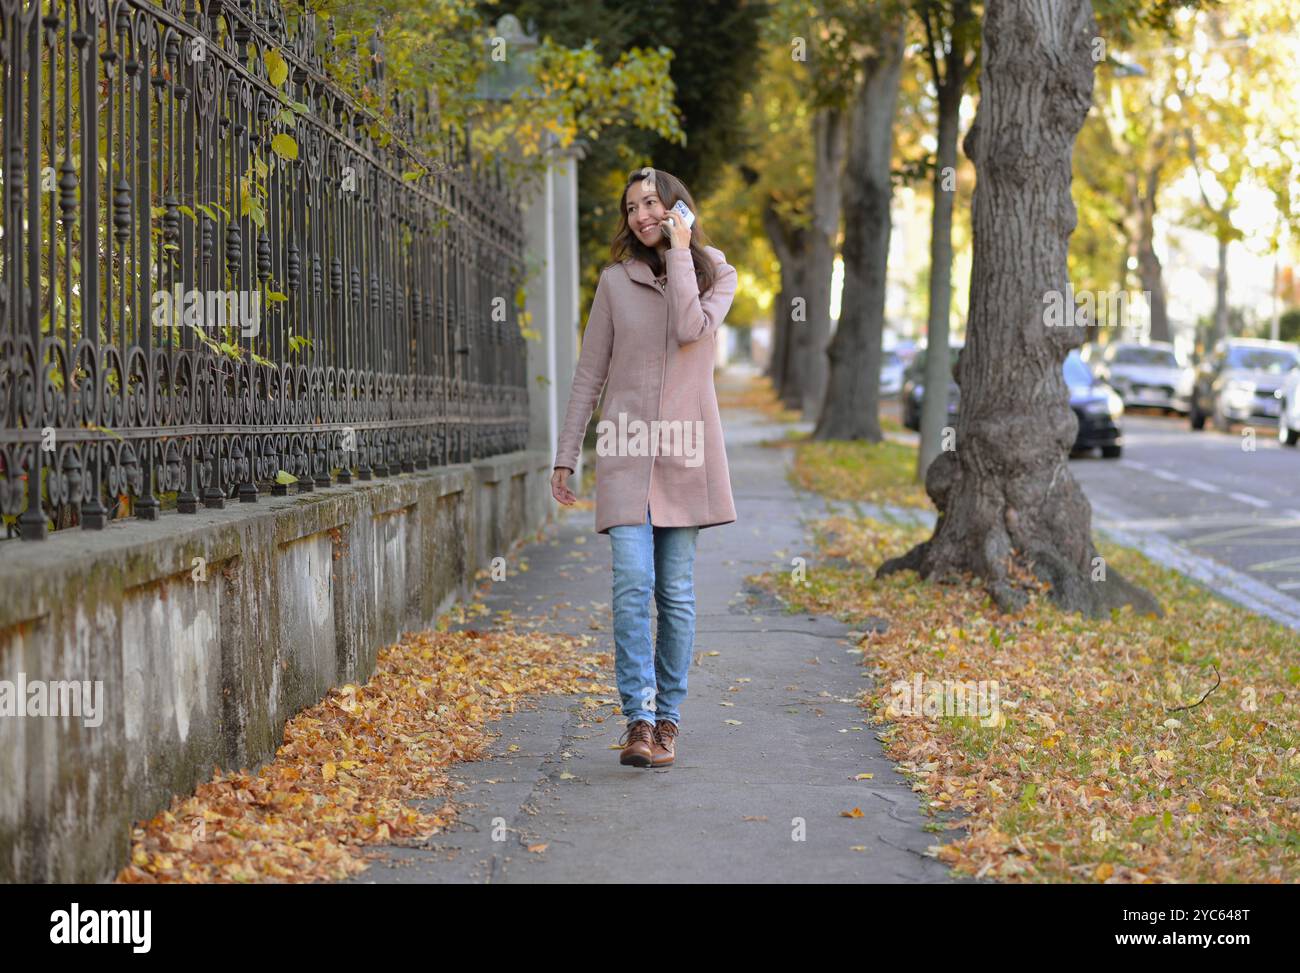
x,y
349,765
1099,761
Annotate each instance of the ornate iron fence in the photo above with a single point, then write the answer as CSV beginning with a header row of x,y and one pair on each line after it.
x,y
218,268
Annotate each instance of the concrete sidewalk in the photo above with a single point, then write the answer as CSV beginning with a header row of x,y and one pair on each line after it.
x,y
727,811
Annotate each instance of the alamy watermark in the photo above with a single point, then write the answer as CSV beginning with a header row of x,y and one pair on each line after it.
x,y
37,697
131,927
208,309
935,698
658,437
1083,309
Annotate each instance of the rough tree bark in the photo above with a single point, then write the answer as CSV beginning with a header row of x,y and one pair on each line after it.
x,y
850,408
1009,506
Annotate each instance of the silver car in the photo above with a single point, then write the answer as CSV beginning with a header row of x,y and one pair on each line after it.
x,y
1242,380
1288,420
1151,375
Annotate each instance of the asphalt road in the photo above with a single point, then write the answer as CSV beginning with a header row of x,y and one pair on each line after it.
x,y
1223,508
1209,492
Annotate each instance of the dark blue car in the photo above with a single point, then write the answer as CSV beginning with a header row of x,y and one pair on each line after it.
x,y
1095,404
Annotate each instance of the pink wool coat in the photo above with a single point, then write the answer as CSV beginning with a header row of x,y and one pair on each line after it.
x,y
656,349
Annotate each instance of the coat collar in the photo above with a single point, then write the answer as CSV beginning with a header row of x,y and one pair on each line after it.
x,y
637,270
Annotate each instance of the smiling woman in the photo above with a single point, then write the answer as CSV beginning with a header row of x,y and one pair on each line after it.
x,y
650,343
651,339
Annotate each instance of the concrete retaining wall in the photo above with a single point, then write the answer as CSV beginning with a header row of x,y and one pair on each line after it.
x,y
295,595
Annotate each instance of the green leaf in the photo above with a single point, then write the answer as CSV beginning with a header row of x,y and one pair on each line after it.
x,y
1027,796
284,146
275,296
284,479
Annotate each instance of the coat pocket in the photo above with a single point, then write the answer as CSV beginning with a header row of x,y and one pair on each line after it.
x,y
680,463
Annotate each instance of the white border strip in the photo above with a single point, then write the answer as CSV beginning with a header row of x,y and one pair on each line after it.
x,y
1228,582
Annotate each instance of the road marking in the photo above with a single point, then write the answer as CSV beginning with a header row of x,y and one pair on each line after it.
x,y
1201,485
1284,564
1234,533
1231,584
1249,524
1289,585
1166,475
1247,498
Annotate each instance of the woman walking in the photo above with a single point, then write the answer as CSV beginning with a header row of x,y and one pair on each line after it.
x,y
651,334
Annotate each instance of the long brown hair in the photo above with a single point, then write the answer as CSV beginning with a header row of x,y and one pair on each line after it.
x,y
626,244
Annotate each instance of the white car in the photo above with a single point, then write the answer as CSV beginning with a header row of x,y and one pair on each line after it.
x,y
1152,374
1288,420
891,374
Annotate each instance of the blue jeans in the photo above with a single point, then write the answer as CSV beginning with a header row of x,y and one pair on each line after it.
x,y
659,559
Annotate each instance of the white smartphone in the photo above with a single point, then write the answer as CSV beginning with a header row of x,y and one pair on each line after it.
x,y
683,211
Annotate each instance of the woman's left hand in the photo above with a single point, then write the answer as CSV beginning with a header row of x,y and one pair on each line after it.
x,y
679,234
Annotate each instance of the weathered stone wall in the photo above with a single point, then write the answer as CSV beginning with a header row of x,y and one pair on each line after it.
x,y
298,594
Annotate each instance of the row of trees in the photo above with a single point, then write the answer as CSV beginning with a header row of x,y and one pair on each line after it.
x,y
850,99
1010,511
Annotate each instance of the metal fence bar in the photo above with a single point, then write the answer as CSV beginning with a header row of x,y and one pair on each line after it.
x,y
214,271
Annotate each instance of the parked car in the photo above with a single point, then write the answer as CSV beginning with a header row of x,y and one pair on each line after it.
x,y
1241,381
1096,405
1288,420
905,349
891,373
914,388
1146,375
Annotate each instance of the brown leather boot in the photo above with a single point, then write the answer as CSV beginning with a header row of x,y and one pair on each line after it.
x,y
664,744
638,744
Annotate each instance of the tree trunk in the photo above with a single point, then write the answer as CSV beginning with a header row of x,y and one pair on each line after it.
x,y
934,403
775,371
784,242
851,406
794,284
1221,294
790,244
828,139
1007,501
1149,269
